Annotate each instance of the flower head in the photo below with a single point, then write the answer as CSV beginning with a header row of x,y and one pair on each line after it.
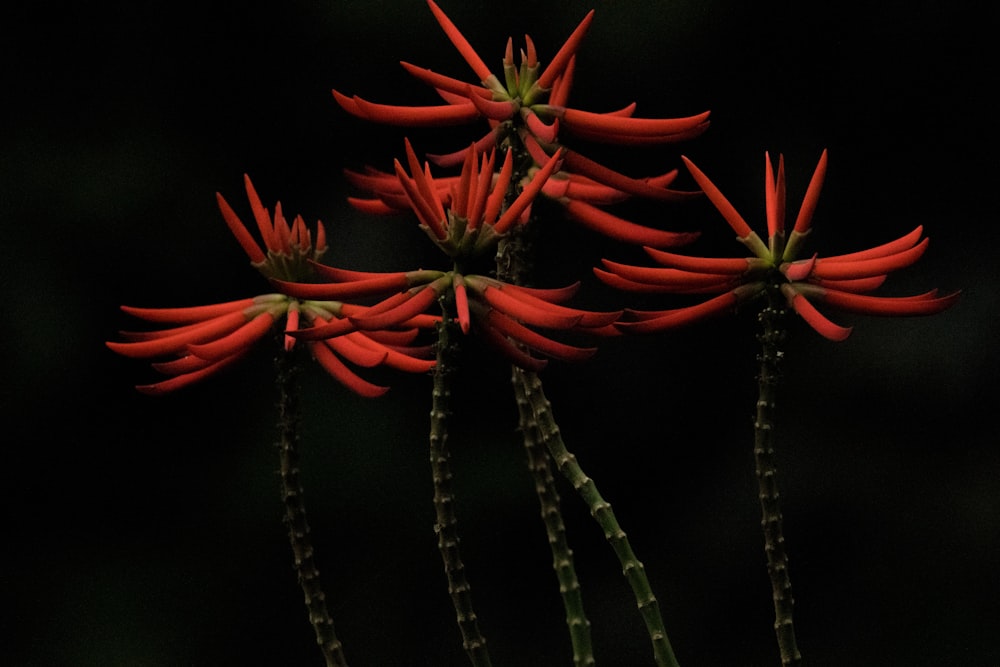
x,y
199,341
841,282
528,100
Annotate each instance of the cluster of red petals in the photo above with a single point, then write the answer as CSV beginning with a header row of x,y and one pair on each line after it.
x,y
505,316
199,341
472,208
532,102
841,282
464,215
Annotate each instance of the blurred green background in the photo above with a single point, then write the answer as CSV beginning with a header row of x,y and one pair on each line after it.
x,y
147,532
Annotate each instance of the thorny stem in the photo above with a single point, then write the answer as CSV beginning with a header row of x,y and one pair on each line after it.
x,y
539,462
771,318
295,513
513,263
446,524
600,509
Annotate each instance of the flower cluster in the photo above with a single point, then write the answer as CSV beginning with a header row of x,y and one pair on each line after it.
x,y
463,217
199,341
527,110
841,281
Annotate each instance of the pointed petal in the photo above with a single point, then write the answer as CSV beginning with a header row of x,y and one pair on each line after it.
x,y
357,354
892,247
623,230
565,53
548,315
629,126
671,279
241,339
240,231
335,367
416,304
719,200
928,303
458,39
718,265
446,83
190,314
409,116
550,348
813,317
862,268
514,211
175,342
187,379
679,317
812,195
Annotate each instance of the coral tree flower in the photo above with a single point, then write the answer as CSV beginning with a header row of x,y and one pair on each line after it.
x,y
465,219
581,198
530,101
199,341
840,282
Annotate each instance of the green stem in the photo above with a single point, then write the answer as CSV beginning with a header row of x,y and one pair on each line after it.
x,y
539,462
601,511
771,520
446,525
295,514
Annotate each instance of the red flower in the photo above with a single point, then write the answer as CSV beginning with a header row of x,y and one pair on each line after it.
x,y
462,215
841,282
202,340
531,100
579,196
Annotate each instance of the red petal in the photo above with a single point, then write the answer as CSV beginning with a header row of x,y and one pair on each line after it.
x,y
240,231
813,317
631,127
241,339
357,354
671,279
812,195
720,265
191,314
463,46
426,116
678,317
181,381
862,268
565,53
622,230
535,340
174,342
335,367
892,247
921,304
719,200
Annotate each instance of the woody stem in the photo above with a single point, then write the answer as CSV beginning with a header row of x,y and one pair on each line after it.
x,y
295,513
771,318
600,509
446,523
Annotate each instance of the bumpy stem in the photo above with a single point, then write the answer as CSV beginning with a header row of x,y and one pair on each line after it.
x,y
446,525
295,514
632,568
771,319
539,462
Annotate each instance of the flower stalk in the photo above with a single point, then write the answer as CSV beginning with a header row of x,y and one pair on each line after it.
x,y
771,318
446,522
293,498
540,465
600,509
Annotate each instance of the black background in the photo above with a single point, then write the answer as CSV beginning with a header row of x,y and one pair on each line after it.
x,y
144,531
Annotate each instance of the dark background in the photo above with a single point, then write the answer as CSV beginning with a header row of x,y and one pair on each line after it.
x,y
144,531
